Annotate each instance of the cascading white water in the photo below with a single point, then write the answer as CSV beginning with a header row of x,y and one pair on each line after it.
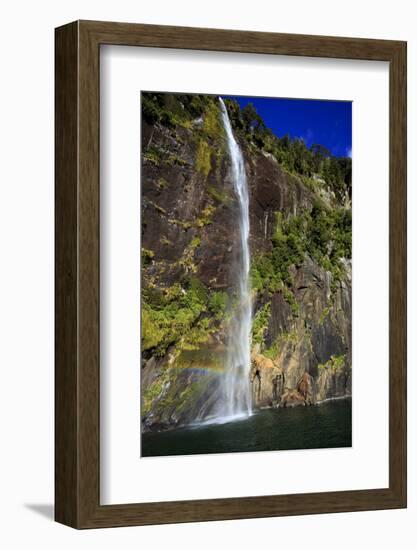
x,y
237,397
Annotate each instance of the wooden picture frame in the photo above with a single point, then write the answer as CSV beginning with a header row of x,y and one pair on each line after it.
x,y
77,403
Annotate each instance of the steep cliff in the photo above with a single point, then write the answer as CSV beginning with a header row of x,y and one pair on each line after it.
x,y
300,243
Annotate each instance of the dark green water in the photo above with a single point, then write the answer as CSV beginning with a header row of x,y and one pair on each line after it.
x,y
322,426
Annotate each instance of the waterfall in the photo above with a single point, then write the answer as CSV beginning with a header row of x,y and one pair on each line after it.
x,y
237,390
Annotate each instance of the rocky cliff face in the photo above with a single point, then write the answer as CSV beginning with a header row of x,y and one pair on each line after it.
x,y
301,267
311,360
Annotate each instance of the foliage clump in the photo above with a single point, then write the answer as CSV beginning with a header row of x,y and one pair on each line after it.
x,y
323,234
218,303
168,316
213,126
184,315
166,109
147,256
260,323
203,159
336,362
206,215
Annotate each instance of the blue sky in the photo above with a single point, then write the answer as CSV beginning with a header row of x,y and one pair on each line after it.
x,y
328,123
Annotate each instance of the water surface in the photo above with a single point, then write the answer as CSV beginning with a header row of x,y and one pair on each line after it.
x,y
321,426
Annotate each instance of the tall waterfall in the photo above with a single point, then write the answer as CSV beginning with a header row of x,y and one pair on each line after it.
x,y
237,397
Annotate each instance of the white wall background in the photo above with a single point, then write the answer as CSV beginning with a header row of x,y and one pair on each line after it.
x,y
26,271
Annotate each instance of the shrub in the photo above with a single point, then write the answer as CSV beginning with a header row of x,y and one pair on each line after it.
x,y
152,334
213,126
336,362
273,351
203,159
260,323
218,303
206,215
147,256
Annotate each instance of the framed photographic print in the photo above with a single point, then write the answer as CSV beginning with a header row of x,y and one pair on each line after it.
x,y
230,274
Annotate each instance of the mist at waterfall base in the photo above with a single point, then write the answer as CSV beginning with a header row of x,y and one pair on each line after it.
x,y
327,425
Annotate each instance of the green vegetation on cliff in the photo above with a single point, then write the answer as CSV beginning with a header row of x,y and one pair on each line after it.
x,y
324,234
260,323
200,114
336,362
184,315
203,161
172,110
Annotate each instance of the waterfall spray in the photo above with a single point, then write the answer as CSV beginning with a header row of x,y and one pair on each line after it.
x,y
237,397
